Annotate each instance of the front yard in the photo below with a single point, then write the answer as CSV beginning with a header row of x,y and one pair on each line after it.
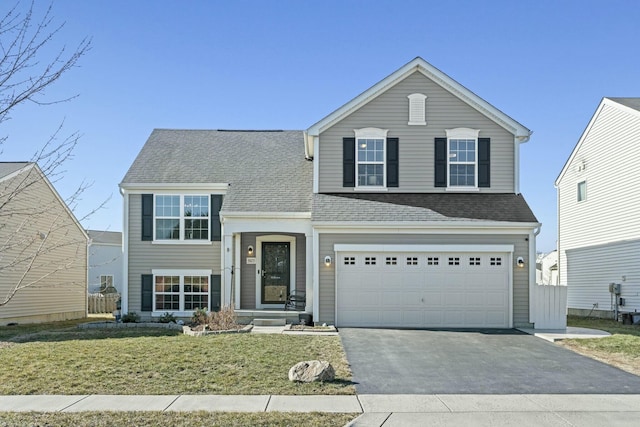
x,y
62,359
621,349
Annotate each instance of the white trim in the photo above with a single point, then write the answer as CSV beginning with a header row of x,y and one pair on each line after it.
x,y
124,298
180,273
371,133
316,165
182,218
292,265
467,134
274,215
134,188
237,264
516,167
422,248
309,257
316,275
438,77
462,133
449,227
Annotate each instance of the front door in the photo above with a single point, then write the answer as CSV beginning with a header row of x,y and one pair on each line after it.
x,y
275,272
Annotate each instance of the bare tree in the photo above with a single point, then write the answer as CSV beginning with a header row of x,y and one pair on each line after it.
x,y
32,236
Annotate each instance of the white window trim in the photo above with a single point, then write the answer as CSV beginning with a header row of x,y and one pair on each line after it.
x,y
106,275
462,133
181,240
182,274
584,199
372,133
417,100
292,266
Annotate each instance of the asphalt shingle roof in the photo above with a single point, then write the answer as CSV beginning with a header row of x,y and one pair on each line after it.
x,y
629,102
267,170
421,207
109,237
7,168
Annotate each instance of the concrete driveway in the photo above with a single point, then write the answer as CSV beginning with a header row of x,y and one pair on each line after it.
x,y
388,361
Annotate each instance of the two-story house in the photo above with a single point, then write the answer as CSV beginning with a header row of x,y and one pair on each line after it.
x,y
598,233
401,208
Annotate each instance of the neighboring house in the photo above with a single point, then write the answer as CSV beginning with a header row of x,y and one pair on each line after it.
x,y
547,269
598,232
43,250
105,261
402,208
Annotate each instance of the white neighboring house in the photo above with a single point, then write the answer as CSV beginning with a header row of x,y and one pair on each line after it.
x,y
598,213
105,260
547,269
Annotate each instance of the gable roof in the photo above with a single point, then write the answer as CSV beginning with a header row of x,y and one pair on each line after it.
x,y
7,168
380,207
266,170
630,105
420,65
105,237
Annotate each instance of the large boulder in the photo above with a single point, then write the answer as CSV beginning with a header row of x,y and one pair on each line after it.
x,y
312,370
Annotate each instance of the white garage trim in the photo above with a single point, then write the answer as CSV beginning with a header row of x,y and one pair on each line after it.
x,y
488,319
422,248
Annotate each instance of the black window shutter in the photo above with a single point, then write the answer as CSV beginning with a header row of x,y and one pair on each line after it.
x,y
440,155
147,292
392,162
216,292
348,162
484,164
216,227
147,217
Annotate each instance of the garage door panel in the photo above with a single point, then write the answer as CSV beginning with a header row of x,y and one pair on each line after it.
x,y
423,290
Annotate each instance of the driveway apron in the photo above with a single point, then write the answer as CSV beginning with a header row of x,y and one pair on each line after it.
x,y
388,361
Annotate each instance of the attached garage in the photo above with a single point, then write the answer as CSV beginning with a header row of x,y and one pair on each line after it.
x,y
418,286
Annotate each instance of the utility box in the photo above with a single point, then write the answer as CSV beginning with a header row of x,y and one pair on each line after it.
x,y
615,288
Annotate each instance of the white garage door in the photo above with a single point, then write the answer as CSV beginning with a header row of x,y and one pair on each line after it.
x,y
424,289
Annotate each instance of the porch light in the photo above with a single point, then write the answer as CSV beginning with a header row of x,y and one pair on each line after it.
x,y
520,262
327,261
250,250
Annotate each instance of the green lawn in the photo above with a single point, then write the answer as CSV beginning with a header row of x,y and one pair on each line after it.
x,y
62,359
621,349
175,419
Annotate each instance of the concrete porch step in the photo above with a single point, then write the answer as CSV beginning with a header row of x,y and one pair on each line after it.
x,y
269,322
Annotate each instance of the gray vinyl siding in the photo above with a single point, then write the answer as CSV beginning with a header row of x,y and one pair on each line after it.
x,y
327,274
591,269
248,271
416,148
59,274
610,212
145,256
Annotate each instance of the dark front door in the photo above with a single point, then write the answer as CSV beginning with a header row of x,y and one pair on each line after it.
x,y
275,272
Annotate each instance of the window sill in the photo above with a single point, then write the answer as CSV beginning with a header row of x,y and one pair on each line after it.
x,y
462,189
182,242
371,189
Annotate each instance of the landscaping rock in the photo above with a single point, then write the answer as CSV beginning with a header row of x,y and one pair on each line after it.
x,y
312,370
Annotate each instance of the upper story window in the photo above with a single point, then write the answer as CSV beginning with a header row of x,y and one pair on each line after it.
x,y
371,157
417,110
462,157
582,191
181,217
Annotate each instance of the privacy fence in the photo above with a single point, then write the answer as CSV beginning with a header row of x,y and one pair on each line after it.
x,y
102,303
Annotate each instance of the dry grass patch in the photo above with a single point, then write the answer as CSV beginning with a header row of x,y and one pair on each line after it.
x,y
161,361
189,419
621,349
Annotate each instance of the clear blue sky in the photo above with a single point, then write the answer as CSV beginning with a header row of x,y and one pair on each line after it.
x,y
286,64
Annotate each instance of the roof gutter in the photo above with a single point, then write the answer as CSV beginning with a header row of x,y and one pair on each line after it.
x,y
308,145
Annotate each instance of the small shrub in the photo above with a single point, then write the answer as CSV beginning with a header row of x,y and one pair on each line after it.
x,y
167,318
200,316
223,320
131,317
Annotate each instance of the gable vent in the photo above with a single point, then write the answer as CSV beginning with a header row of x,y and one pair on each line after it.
x,y
417,110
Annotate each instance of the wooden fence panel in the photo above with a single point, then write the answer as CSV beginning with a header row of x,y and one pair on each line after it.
x,y
99,303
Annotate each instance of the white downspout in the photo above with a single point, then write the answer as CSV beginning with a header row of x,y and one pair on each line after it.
x,y
124,298
532,273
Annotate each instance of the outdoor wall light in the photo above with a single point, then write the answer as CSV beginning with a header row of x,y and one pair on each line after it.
x,y
520,262
250,250
327,261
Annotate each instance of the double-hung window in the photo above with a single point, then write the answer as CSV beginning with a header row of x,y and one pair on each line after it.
x,y
180,291
182,217
371,157
462,151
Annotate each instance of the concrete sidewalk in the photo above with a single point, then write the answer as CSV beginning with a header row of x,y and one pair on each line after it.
x,y
377,410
